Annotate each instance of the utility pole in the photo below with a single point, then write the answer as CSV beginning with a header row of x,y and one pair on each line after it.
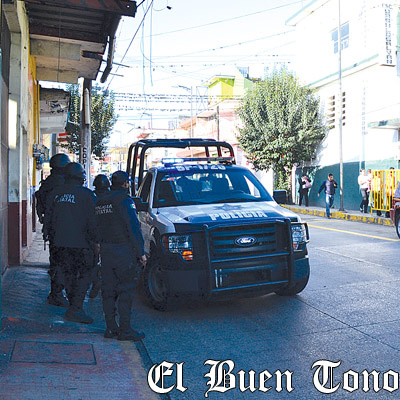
x,y
191,106
218,123
340,107
85,150
191,112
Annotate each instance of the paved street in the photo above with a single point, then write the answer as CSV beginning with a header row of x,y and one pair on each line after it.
x,y
349,312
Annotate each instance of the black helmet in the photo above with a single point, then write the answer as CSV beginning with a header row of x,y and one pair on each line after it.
x,y
101,182
118,178
75,170
59,160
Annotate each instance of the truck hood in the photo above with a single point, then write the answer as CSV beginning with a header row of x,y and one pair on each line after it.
x,y
226,212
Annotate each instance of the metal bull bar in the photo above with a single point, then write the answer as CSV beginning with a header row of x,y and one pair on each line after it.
x,y
383,186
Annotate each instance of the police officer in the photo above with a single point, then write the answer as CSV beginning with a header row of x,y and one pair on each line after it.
x,y
102,186
54,180
70,222
122,253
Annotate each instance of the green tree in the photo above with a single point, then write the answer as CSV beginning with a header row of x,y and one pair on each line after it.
x,y
103,119
281,125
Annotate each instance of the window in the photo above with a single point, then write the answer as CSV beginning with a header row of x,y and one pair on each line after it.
x,y
201,185
344,32
144,190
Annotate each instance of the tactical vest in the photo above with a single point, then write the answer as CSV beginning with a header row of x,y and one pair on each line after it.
x,y
111,227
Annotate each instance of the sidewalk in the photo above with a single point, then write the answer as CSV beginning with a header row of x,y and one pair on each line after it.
x,y
44,357
349,215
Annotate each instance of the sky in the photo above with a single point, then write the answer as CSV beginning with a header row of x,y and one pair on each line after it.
x,y
186,42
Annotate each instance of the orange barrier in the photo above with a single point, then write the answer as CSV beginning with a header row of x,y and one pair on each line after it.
x,y
383,186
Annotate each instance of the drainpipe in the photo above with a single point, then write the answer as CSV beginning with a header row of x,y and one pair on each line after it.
x,y
111,49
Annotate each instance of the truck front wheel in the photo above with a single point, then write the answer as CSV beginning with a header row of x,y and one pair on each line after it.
x,y
298,286
154,285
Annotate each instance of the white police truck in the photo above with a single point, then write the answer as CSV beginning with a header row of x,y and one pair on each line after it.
x,y
211,228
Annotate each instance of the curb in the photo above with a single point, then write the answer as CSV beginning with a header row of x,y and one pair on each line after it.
x,y
340,215
23,325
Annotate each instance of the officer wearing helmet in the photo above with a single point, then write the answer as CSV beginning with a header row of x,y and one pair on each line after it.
x,y
55,179
101,187
70,222
101,184
122,250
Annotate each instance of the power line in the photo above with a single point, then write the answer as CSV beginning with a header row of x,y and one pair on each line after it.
x,y
229,62
130,43
227,46
226,20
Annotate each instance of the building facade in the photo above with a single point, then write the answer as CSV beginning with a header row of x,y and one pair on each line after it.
x,y
35,47
368,102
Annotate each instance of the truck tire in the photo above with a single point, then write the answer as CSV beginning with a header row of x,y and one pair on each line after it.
x,y
398,224
154,286
298,286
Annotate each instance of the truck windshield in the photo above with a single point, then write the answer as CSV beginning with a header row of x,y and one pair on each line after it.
x,y
205,184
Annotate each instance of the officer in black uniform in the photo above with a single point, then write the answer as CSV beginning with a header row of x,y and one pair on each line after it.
x,y
70,222
54,180
102,187
122,255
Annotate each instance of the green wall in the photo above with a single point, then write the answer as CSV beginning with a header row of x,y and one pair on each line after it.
x,y
351,190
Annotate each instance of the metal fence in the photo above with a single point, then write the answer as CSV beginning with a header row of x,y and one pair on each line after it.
x,y
383,186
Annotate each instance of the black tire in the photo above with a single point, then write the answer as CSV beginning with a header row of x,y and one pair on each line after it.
x,y
297,287
155,288
398,224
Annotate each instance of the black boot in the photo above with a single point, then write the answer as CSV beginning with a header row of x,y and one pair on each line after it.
x,y
57,300
78,316
56,296
131,334
112,330
94,291
126,332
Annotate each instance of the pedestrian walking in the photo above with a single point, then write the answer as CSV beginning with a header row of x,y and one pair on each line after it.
x,y
364,184
329,186
70,223
304,187
102,186
122,256
53,181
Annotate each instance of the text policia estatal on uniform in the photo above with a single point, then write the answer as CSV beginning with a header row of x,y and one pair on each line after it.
x,y
166,377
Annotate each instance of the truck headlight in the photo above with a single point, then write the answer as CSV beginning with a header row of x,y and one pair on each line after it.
x,y
179,244
299,236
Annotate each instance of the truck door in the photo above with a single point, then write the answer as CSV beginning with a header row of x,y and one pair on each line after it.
x,y
144,216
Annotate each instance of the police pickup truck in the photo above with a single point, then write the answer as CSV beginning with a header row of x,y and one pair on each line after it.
x,y
211,228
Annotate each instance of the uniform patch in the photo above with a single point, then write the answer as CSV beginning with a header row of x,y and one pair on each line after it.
x,y
106,209
238,214
66,198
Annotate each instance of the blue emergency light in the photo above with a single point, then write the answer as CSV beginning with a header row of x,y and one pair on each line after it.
x,y
173,161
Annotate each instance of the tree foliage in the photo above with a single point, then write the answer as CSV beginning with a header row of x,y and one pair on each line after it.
x,y
103,119
281,125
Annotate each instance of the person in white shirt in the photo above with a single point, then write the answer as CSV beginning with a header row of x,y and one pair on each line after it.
x,y
363,181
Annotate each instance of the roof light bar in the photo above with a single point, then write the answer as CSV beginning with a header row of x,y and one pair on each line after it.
x,y
196,159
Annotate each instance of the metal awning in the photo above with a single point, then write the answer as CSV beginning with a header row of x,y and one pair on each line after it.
x,y
69,37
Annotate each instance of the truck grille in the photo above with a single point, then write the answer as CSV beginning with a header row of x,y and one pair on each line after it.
x,y
243,255
225,242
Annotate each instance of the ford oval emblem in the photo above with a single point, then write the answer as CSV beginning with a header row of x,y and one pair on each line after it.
x,y
245,241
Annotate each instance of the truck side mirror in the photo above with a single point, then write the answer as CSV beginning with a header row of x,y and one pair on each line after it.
x,y
280,196
140,204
